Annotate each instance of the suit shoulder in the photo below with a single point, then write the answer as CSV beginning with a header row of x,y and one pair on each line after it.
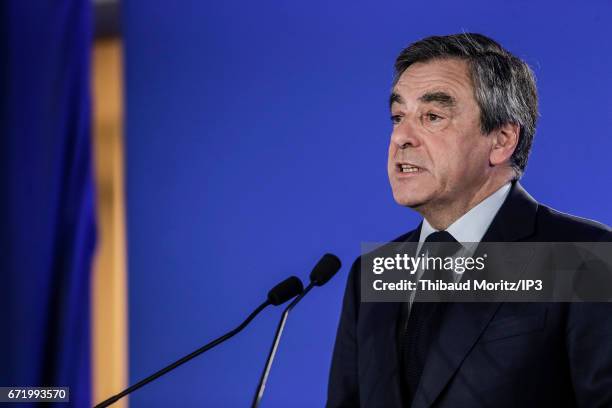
x,y
554,225
406,236
384,247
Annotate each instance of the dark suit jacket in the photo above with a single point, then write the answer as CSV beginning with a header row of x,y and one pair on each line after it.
x,y
489,354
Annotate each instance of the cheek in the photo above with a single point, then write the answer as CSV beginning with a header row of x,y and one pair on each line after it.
x,y
443,157
454,162
394,150
393,147
473,157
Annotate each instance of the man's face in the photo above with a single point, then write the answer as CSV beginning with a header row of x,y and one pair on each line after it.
x,y
437,153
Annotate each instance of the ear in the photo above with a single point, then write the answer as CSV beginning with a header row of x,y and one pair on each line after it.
x,y
503,143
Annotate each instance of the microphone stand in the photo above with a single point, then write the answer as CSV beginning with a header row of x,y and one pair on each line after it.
x,y
279,331
183,360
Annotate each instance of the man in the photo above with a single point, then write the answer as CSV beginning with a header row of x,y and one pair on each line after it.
x,y
464,114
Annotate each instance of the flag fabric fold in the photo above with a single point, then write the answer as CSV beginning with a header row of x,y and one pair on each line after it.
x,y
47,217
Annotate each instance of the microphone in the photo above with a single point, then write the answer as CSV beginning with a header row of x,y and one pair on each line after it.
x,y
287,289
278,295
323,271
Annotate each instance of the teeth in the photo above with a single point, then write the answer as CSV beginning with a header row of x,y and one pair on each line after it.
x,y
405,168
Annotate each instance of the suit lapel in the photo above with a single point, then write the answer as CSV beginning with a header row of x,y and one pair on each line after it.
x,y
464,322
516,218
382,362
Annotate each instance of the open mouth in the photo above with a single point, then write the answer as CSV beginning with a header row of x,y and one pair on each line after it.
x,y
407,168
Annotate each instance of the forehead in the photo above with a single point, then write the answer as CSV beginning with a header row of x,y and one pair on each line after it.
x,y
449,76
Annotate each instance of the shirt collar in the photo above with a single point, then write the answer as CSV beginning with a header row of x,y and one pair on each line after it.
x,y
472,225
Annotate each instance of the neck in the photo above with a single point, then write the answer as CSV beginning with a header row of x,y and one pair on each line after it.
x,y
442,215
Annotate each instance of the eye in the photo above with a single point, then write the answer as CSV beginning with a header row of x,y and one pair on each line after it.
x,y
395,119
432,117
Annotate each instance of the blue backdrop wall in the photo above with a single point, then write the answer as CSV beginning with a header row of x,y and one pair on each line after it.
x,y
257,135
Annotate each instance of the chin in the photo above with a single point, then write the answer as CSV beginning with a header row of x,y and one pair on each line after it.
x,y
409,199
413,192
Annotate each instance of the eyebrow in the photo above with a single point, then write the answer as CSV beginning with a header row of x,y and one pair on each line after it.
x,y
439,97
442,98
395,98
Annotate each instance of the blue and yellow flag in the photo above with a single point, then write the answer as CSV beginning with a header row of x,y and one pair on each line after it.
x,y
47,225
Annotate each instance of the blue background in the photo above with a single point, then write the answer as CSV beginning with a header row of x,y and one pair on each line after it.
x,y
47,214
257,136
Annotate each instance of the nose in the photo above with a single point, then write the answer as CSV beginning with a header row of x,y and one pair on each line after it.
x,y
404,135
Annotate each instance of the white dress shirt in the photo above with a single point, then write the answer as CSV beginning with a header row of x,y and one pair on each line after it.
x,y
469,228
472,225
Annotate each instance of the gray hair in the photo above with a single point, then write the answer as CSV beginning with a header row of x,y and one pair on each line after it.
x,y
504,85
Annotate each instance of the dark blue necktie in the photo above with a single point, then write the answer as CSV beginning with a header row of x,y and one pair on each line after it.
x,y
421,327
